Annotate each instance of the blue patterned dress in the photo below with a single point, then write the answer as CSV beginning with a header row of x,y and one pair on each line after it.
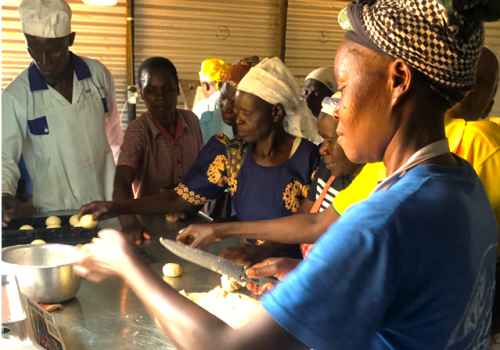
x,y
258,192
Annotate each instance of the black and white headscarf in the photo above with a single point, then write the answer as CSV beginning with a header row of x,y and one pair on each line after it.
x,y
431,35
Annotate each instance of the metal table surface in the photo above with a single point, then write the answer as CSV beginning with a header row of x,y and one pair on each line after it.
x,y
109,316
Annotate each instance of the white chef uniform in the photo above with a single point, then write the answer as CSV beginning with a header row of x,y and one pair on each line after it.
x,y
68,147
207,105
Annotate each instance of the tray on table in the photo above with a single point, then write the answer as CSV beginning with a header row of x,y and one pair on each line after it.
x,y
66,234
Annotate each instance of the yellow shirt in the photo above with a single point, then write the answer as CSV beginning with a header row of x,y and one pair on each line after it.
x,y
477,142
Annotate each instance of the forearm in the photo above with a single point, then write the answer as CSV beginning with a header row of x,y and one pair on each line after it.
x,y
162,203
187,325
295,229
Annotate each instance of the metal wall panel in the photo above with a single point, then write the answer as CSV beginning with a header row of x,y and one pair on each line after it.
x,y
313,35
190,31
100,34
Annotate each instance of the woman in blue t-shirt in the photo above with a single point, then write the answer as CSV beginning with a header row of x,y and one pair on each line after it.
x,y
413,265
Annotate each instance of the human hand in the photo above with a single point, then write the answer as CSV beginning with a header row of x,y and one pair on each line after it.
x,y
100,210
198,235
272,267
108,255
175,217
135,233
10,205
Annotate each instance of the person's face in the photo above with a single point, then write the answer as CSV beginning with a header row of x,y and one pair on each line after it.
x,y
314,92
226,102
479,101
333,155
366,126
255,118
51,55
159,91
208,89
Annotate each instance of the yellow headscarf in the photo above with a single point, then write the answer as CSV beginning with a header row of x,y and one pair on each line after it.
x,y
213,69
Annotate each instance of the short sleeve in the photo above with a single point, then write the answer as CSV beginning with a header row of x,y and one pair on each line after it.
x,y
133,146
207,178
338,296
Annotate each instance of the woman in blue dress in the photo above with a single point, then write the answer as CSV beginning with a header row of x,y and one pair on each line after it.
x,y
267,170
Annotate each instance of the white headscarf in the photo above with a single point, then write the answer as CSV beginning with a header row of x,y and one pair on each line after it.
x,y
45,18
324,75
274,83
329,103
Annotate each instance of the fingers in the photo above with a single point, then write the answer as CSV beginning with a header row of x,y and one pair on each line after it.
x,y
186,236
259,290
267,268
112,236
236,254
86,209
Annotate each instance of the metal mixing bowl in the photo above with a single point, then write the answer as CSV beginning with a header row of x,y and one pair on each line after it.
x,y
44,271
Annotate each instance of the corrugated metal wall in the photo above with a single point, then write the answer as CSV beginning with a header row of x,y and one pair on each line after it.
x,y
100,34
190,31
313,35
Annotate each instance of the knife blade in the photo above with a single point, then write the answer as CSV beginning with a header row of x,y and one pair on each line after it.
x,y
213,262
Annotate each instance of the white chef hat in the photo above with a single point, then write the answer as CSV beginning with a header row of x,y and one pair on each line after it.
x,y
45,18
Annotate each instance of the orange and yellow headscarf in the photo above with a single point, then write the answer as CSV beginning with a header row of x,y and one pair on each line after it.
x,y
213,69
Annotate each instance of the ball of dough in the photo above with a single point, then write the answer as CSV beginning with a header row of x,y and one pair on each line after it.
x,y
87,221
54,226
78,225
73,221
38,241
172,270
229,284
53,220
26,227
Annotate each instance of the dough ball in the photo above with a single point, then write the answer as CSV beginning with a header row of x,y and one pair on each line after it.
x,y
229,284
26,227
87,221
79,224
38,241
73,221
53,220
54,226
172,270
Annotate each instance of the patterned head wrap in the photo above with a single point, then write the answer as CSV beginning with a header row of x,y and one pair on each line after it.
x,y
440,38
329,103
273,82
213,69
325,76
239,69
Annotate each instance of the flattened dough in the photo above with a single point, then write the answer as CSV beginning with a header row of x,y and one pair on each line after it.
x,y
54,226
38,241
229,284
233,308
172,270
26,227
52,221
87,221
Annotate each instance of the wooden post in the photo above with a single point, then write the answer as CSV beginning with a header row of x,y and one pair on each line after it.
x,y
281,37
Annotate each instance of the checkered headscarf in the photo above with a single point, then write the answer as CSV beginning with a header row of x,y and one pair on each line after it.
x,y
431,35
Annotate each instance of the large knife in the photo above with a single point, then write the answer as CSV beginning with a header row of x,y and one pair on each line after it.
x,y
213,262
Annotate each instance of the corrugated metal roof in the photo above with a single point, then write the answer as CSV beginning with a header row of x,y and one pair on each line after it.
x,y
100,34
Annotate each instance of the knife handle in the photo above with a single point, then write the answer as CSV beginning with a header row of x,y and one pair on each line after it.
x,y
262,281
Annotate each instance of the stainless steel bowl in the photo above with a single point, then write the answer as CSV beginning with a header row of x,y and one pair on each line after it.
x,y
44,271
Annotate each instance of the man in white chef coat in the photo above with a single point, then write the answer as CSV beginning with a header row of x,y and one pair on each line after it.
x,y
61,114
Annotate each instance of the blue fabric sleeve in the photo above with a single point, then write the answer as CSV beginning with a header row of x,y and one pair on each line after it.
x,y
337,297
207,178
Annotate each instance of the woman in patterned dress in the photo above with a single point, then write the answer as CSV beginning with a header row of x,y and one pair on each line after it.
x,y
268,171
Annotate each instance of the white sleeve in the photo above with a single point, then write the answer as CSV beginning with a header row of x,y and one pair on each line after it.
x,y
14,128
200,108
114,129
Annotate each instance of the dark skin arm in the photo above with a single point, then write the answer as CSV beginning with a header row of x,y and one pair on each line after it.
x,y
187,325
246,254
124,178
161,203
295,229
